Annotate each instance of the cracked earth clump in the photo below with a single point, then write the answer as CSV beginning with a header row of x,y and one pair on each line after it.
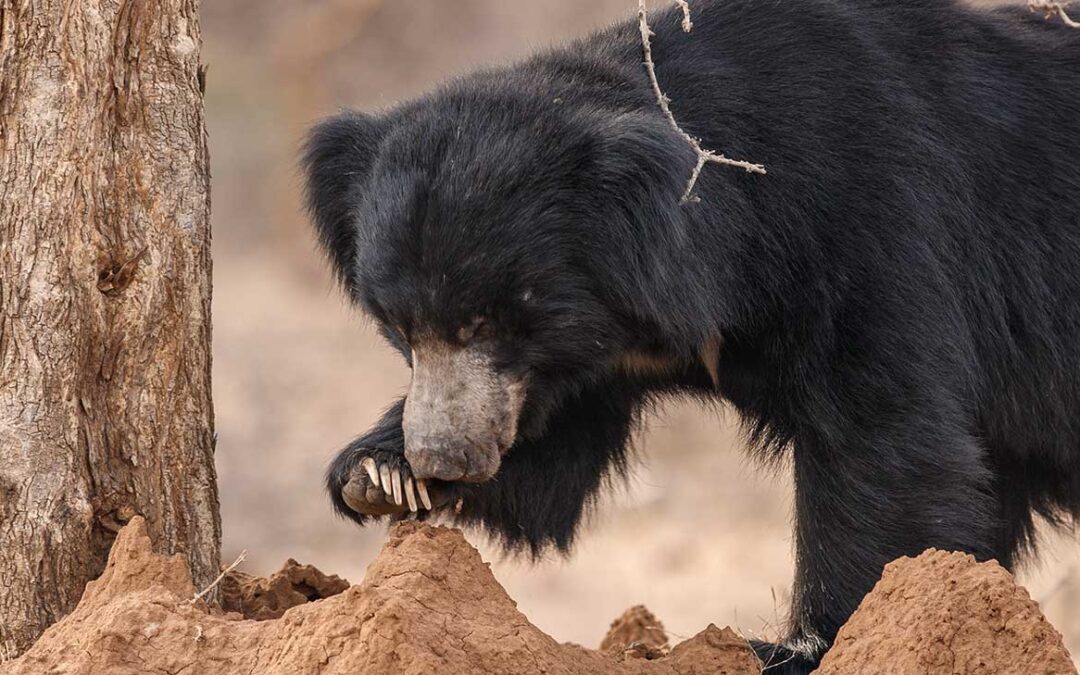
x,y
263,598
428,604
943,613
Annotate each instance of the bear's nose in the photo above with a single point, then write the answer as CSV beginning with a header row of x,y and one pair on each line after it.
x,y
436,458
452,458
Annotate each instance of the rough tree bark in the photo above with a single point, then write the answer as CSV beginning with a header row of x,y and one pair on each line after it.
x,y
105,406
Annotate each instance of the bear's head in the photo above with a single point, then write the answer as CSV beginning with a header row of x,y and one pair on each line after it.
x,y
514,247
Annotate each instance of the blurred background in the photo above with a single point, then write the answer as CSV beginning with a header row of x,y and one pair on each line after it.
x,y
700,534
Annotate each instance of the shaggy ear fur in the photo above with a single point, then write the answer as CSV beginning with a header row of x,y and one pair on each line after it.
x,y
337,160
644,156
642,161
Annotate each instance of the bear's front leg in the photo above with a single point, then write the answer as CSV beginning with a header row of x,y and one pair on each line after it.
x,y
905,478
371,478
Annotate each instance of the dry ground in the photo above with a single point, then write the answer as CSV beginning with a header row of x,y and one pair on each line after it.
x,y
429,603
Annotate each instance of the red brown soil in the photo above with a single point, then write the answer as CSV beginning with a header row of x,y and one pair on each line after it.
x,y
637,630
263,598
429,604
943,613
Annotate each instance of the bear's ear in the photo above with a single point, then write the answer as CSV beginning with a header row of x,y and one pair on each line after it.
x,y
641,154
337,159
641,167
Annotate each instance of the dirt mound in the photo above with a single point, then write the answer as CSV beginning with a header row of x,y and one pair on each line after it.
x,y
428,604
943,613
715,651
263,598
637,630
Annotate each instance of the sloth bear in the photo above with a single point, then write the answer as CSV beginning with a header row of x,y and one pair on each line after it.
x,y
894,308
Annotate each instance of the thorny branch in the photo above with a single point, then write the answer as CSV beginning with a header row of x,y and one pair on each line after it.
x,y
1049,9
703,156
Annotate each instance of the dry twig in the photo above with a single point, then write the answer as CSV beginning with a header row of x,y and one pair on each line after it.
x,y
703,156
215,582
687,24
1049,9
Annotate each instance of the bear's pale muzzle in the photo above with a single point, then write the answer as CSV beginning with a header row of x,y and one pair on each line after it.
x,y
460,415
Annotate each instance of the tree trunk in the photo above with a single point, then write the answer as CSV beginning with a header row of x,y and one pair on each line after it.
x,y
105,407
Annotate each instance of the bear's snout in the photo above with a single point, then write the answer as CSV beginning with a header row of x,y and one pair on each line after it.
x,y
460,416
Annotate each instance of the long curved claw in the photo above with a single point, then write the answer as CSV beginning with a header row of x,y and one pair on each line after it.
x,y
395,477
384,474
410,494
369,466
425,499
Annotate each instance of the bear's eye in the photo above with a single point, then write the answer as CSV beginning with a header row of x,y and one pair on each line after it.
x,y
477,329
